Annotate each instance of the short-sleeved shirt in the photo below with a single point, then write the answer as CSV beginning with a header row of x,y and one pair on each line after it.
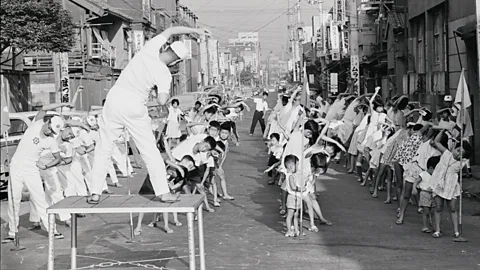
x,y
425,184
33,143
261,105
408,150
186,148
145,71
66,151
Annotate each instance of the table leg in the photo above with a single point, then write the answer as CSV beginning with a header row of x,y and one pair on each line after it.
x,y
201,246
191,241
73,256
51,241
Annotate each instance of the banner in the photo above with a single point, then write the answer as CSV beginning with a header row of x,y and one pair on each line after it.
x,y
65,80
138,40
334,83
355,73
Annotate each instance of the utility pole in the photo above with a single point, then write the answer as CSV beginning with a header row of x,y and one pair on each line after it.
x,y
477,4
292,27
208,60
299,43
354,58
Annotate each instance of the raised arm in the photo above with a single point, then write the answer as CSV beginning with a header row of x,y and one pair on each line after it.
x,y
50,107
438,140
182,30
372,99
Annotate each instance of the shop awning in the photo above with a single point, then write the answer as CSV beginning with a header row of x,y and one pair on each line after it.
x,y
467,31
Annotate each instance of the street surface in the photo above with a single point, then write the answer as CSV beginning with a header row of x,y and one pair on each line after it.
x,y
248,233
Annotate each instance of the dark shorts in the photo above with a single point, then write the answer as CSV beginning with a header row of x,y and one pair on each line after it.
x,y
271,160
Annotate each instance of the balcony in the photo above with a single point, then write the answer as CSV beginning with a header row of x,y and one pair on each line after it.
x,y
106,56
44,61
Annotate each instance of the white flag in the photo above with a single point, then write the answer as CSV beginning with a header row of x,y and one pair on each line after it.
x,y
462,85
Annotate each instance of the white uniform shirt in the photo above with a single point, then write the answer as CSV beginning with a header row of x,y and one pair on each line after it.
x,y
261,105
66,151
33,143
186,148
145,71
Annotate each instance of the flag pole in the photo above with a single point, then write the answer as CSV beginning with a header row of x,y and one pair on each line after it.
x,y
460,206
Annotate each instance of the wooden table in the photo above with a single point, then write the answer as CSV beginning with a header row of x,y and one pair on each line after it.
x,y
109,204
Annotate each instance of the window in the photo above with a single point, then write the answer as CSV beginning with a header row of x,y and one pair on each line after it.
x,y
420,47
437,45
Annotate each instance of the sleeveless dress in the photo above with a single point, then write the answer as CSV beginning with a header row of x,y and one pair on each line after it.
x,y
173,123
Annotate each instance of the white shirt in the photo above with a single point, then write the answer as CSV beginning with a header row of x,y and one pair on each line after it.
x,y
145,71
186,148
426,182
33,143
261,105
66,151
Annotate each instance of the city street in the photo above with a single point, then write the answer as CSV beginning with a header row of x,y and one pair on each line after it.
x,y
248,233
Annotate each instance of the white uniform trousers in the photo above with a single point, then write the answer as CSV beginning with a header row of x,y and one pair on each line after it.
x,y
126,110
29,176
53,192
87,166
72,174
121,160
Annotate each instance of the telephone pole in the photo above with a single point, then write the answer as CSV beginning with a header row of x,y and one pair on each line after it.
x,y
292,27
354,58
208,60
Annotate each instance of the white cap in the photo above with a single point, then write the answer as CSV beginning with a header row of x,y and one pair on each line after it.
x,y
91,120
448,98
179,49
56,124
76,118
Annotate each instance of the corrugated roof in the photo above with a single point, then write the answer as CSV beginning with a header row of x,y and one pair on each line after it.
x,y
396,19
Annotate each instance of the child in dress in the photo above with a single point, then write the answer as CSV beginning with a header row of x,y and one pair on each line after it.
x,y
173,122
426,199
295,187
445,182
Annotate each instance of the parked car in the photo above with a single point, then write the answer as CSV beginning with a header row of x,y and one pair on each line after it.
x,y
19,122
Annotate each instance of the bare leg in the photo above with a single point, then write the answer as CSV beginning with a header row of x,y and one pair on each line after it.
x,y
425,221
389,185
289,221
284,200
452,206
138,229
295,221
165,222
438,212
215,192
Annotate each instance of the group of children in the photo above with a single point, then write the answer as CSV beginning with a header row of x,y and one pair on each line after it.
x,y
396,145
195,156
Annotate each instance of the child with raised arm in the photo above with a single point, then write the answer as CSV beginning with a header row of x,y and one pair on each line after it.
x,y
295,187
445,181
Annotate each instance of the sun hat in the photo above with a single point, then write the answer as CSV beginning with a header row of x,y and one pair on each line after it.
x,y
179,49
57,124
448,98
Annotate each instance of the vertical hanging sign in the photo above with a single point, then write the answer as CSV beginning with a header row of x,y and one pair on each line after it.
x,y
334,83
355,73
65,80
138,40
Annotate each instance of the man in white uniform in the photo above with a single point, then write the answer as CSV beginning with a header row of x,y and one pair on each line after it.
x,y
24,168
125,107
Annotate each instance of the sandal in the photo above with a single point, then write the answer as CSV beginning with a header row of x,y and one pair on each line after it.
x,y
289,234
230,198
374,195
216,204
456,235
313,229
8,239
91,201
399,222
437,235
137,232
178,224
152,224
210,210
35,227
326,222
426,230
282,212
387,201
271,182
58,236
168,230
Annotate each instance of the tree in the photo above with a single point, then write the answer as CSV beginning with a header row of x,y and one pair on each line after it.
x,y
35,25
246,76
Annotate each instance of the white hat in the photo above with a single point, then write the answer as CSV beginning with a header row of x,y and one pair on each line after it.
x,y
179,49
57,124
76,118
91,120
448,98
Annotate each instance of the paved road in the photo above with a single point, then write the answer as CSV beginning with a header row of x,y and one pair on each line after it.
x,y
247,233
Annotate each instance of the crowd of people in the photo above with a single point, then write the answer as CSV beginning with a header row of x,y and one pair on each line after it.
x,y
395,146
